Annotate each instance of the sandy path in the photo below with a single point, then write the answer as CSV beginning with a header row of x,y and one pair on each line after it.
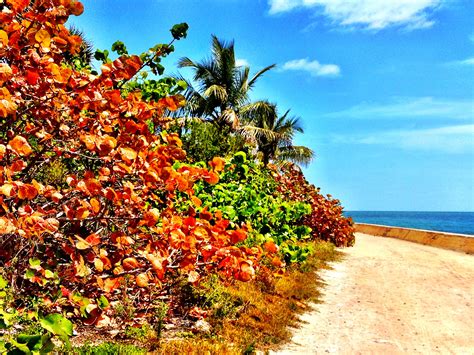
x,y
391,296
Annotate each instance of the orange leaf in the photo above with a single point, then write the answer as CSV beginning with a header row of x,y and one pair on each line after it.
x,y
238,235
27,192
151,217
196,201
19,5
76,8
212,178
93,239
130,264
277,262
271,247
105,144
95,204
20,146
5,72
247,272
111,284
217,164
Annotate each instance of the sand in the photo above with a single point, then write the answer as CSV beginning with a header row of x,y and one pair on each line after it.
x,y
391,296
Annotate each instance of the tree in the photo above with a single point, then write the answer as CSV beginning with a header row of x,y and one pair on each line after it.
x,y
273,135
222,87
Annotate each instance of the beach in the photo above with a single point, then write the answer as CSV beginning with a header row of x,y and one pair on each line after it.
x,y
391,296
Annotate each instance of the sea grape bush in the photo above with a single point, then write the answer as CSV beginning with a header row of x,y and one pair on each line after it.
x,y
86,186
326,219
247,195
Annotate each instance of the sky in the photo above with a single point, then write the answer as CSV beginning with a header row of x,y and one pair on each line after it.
x,y
384,88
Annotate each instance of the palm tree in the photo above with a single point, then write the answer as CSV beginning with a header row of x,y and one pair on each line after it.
x,y
273,135
86,51
222,87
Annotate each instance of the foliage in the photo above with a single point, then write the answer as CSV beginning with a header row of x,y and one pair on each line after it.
x,y
246,195
273,135
326,220
86,188
222,87
40,340
204,141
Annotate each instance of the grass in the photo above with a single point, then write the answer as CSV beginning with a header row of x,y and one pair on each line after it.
x,y
246,316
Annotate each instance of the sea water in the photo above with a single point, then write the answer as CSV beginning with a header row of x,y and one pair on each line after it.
x,y
453,222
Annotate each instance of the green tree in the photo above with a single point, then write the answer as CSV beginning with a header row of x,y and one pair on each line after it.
x,y
273,135
221,87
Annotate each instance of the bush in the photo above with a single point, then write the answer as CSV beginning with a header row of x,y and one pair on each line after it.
x,y
326,219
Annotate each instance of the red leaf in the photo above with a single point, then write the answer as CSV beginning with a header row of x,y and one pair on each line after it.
x,y
32,77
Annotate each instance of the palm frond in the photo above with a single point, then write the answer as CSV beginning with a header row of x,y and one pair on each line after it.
x,y
259,74
217,91
295,153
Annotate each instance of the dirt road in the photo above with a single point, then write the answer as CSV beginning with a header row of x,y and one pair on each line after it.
x,y
391,296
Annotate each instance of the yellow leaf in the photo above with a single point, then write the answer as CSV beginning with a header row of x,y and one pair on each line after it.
x,y
128,154
81,269
3,39
142,280
7,190
99,265
43,38
82,244
6,226
5,72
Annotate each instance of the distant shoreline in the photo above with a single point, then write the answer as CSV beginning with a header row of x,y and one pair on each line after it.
x,y
446,222
446,240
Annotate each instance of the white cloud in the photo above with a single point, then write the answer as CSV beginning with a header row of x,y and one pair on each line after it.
x,y
417,107
451,139
468,61
367,14
241,62
313,67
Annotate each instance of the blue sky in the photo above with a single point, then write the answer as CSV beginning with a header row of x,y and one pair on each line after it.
x,y
385,89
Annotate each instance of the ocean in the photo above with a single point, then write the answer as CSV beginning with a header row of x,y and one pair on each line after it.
x,y
454,222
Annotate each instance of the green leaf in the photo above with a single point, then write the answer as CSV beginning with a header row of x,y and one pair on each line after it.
x,y
57,324
103,302
35,263
3,283
179,31
49,274
33,342
22,347
119,48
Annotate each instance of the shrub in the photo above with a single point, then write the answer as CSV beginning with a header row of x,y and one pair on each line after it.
x,y
326,219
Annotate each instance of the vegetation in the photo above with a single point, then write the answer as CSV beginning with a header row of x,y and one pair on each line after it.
x,y
106,220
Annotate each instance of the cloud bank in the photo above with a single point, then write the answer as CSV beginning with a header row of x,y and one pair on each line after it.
x,y
367,14
313,67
